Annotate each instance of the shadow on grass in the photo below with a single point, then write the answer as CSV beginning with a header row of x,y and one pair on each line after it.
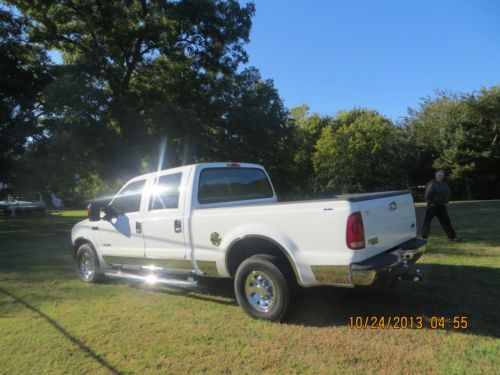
x,y
84,348
208,289
446,291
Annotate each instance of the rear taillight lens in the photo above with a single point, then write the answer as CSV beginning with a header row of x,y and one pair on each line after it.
x,y
355,234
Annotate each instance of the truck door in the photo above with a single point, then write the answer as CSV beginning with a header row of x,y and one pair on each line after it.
x,y
122,236
163,221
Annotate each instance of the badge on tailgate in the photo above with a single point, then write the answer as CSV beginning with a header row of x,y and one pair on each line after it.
x,y
373,241
392,206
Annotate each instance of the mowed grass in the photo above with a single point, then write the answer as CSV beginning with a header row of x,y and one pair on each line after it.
x,y
51,323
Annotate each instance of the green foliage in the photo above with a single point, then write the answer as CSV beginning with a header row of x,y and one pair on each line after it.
x,y
253,127
431,130
359,152
136,74
119,49
93,186
461,134
23,74
307,130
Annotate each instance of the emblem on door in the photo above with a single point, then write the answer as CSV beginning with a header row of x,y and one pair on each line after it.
x,y
392,206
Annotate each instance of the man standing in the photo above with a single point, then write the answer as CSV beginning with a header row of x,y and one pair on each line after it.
x,y
437,195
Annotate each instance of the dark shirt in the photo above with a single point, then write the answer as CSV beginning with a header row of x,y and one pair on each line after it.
x,y
437,193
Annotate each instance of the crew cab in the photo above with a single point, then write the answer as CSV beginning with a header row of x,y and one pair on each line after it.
x,y
224,220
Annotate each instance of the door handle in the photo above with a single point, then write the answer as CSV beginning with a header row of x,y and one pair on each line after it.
x,y
138,227
177,226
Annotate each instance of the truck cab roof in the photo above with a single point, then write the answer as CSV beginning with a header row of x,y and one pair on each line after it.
x,y
227,164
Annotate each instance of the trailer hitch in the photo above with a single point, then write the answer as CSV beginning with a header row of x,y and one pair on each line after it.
x,y
414,276
401,272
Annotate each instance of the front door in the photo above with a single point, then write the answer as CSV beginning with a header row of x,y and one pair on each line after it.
x,y
122,236
163,225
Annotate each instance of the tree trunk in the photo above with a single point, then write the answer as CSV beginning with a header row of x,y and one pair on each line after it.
x,y
187,149
468,192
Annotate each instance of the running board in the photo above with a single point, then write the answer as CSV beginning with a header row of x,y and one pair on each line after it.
x,y
150,279
152,268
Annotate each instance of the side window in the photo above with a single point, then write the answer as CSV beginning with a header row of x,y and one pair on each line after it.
x,y
129,198
233,184
165,192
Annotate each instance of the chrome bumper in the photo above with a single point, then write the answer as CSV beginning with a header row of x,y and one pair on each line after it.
x,y
400,258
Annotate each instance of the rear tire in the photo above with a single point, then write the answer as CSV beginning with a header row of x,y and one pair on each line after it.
x,y
87,264
262,287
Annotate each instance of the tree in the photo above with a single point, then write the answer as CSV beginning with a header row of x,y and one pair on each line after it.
x,y
430,130
472,156
359,152
481,146
112,42
459,133
252,126
307,129
24,71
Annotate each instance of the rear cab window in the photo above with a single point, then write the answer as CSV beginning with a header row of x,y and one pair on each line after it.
x,y
165,192
218,185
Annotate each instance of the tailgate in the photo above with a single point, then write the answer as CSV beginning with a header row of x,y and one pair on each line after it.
x,y
388,221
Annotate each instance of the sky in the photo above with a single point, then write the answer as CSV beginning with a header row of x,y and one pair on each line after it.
x,y
383,55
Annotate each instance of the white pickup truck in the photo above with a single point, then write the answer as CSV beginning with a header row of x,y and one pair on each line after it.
x,y
224,220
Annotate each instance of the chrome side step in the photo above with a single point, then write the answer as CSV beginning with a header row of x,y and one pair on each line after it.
x,y
153,268
151,279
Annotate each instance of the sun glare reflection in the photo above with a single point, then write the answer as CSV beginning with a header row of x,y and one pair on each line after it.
x,y
151,279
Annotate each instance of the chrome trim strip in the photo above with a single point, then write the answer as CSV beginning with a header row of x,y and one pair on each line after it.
x,y
150,279
183,264
333,275
208,267
363,277
342,276
346,277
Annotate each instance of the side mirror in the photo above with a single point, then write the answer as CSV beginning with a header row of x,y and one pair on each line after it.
x,y
93,212
111,212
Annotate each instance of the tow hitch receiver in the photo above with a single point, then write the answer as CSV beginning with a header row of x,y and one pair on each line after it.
x,y
405,269
402,272
415,276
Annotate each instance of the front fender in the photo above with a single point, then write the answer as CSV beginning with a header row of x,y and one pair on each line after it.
x,y
82,231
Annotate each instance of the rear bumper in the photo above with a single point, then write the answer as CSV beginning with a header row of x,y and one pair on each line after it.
x,y
397,260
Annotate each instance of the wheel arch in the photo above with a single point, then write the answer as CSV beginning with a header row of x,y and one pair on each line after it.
x,y
79,242
246,246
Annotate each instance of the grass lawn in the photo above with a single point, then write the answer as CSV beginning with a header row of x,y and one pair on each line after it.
x,y
51,323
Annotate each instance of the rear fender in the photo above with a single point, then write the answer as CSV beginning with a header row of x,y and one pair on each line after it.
x,y
274,235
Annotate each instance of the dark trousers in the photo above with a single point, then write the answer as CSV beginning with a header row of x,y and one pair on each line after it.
x,y
442,215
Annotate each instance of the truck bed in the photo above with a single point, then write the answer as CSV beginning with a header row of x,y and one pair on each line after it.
x,y
359,197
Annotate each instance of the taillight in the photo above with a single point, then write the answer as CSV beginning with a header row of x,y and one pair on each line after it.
x,y
88,210
355,233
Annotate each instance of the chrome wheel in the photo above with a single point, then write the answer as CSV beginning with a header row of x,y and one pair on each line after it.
x,y
86,266
260,290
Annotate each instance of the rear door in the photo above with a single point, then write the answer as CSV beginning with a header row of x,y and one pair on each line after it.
x,y
388,221
163,220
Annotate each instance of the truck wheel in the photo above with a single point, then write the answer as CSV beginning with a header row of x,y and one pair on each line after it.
x,y
261,287
87,264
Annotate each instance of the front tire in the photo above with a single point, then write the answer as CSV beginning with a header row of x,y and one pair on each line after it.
x,y
87,264
262,288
